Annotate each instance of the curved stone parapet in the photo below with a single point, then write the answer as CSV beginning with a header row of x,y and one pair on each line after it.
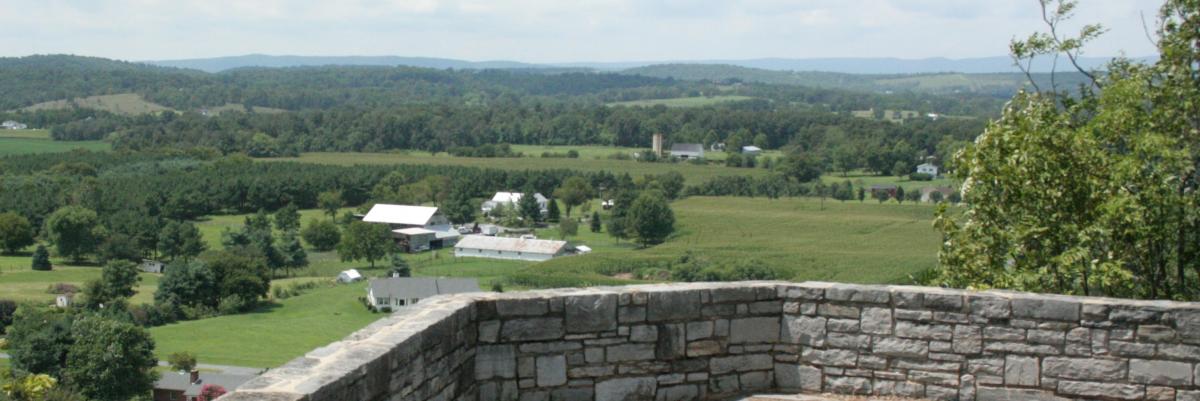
x,y
707,341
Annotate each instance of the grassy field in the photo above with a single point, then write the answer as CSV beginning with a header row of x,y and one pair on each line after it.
x,y
20,283
805,240
696,101
860,178
122,103
692,173
273,335
19,142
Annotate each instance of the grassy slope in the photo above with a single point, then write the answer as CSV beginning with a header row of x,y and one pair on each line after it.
x,y
123,103
38,141
273,335
20,283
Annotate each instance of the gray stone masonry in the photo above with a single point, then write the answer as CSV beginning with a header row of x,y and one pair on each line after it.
x,y
711,341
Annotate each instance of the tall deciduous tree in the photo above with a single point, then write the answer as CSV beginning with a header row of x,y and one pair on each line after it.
x,y
650,218
75,231
287,218
1095,194
110,360
38,340
330,202
323,235
460,207
15,232
573,192
365,241
180,240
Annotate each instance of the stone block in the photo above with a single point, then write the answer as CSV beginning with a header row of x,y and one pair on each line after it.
x,y
889,346
876,321
522,307
1187,395
899,388
733,294
985,393
532,329
1155,333
838,311
756,381
498,391
630,352
627,389
643,333
847,385
489,331
631,314
703,348
551,370
671,342
944,302
1021,371
740,363
686,392
967,340
495,361
1165,373
588,313
572,394
1099,369
858,293
907,329
754,330
797,377
1187,322
830,357
699,330
861,342
842,325
803,330
673,305
1115,391
1046,307
727,384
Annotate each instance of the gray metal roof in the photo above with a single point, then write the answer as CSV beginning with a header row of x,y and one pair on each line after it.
x,y
181,381
687,147
421,287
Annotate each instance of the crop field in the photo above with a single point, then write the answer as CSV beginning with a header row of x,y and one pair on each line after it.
x,y
695,101
692,173
19,142
122,103
272,335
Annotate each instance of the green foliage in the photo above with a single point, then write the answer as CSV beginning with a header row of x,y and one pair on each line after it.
x,y
182,361
180,240
38,340
110,360
243,274
330,202
323,235
41,258
287,218
595,223
568,228
294,255
15,232
900,197
365,241
1103,200
574,191
920,177
650,218
32,387
552,212
400,266
801,166
460,207
116,285
187,283
528,207
75,231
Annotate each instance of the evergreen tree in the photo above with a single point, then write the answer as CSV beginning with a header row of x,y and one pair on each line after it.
x,y
552,212
899,194
459,207
294,255
595,223
287,218
862,194
400,267
41,258
528,207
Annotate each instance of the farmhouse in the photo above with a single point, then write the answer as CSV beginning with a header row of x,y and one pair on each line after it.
x,y
416,228
478,246
928,168
751,150
687,151
349,276
179,386
397,292
10,124
510,199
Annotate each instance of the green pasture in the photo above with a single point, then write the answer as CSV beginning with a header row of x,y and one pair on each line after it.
x,y
694,101
19,142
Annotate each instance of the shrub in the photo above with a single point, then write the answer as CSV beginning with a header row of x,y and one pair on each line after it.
x,y
62,288
920,177
233,304
184,361
41,259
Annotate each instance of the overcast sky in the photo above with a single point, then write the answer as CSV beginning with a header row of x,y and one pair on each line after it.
x,y
549,30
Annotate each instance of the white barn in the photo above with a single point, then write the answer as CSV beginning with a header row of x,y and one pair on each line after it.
x,y
510,199
928,168
405,218
398,292
687,151
536,250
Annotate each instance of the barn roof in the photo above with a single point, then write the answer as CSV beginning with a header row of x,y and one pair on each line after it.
x,y
421,287
540,246
687,147
400,214
413,231
514,197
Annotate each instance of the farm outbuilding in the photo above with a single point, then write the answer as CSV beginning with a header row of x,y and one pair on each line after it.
x,y
349,276
152,266
415,239
928,168
403,216
687,151
510,199
536,250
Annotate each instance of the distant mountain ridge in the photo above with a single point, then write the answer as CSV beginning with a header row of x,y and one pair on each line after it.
x,y
978,65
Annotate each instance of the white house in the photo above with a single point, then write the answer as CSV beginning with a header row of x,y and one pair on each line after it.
x,y
349,276
751,150
479,246
398,292
510,199
928,168
687,150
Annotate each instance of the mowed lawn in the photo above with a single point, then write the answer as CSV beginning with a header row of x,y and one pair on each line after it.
x,y
20,283
694,174
273,335
19,142
846,242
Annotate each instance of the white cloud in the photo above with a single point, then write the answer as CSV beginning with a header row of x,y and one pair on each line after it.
x,y
548,30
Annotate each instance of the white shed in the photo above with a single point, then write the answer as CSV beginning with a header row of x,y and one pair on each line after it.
x,y
64,300
349,276
928,168
751,150
479,246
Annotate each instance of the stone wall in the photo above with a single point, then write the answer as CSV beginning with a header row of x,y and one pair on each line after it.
x,y
716,341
